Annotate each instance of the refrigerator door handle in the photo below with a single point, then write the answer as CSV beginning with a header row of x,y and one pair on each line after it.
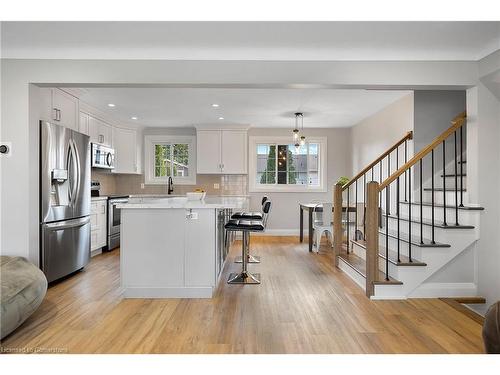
x,y
68,224
74,175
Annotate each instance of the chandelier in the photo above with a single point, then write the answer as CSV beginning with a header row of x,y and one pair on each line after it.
x,y
298,136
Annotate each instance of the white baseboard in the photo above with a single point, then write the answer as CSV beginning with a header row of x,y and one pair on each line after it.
x,y
95,252
282,232
443,290
159,292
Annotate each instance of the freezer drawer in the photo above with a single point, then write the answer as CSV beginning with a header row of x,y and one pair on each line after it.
x,y
65,247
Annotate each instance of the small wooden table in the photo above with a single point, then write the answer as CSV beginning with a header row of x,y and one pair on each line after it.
x,y
310,208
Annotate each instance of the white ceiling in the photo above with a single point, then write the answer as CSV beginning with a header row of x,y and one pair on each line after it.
x,y
251,40
180,107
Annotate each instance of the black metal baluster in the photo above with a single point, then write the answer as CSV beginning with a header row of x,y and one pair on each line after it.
x,y
364,206
421,207
444,184
387,203
356,208
406,160
397,205
409,213
461,170
348,213
398,202
432,198
456,179
388,195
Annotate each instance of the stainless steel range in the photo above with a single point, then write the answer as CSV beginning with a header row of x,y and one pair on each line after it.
x,y
114,220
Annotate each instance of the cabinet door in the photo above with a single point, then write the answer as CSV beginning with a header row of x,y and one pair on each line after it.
x,y
208,144
94,130
67,105
234,152
125,145
83,126
100,132
200,248
47,112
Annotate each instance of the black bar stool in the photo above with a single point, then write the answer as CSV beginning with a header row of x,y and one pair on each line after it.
x,y
243,215
246,227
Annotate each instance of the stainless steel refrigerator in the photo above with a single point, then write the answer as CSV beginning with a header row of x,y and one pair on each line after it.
x,y
64,200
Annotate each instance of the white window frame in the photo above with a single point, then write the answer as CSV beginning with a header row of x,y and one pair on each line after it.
x,y
254,187
149,159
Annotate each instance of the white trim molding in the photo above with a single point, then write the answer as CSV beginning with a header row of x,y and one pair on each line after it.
x,y
252,166
151,140
442,290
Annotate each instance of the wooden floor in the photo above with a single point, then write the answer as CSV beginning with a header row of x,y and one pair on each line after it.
x,y
304,305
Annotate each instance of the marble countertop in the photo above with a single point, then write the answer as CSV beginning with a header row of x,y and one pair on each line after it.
x,y
100,198
183,195
182,202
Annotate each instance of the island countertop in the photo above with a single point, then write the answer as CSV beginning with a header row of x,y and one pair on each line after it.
x,y
183,202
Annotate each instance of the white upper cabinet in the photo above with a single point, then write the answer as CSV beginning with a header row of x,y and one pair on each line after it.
x,y
208,157
83,126
221,151
125,144
234,152
100,132
59,108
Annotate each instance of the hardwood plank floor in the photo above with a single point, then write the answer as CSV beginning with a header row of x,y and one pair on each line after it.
x,y
304,305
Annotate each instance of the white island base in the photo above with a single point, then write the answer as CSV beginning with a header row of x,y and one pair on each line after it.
x,y
171,248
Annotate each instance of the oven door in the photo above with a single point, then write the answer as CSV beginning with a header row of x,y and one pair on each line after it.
x,y
114,216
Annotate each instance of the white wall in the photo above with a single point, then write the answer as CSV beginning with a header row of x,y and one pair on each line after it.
x,y
375,134
284,218
19,173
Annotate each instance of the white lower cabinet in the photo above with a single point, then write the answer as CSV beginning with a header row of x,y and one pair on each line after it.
x,y
199,255
98,230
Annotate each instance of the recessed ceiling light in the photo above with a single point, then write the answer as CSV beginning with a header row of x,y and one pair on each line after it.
x,y
215,105
134,118
111,105
221,118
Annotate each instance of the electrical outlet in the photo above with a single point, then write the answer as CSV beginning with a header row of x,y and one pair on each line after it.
x,y
142,186
216,186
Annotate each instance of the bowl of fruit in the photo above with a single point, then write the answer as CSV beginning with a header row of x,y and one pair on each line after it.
x,y
197,195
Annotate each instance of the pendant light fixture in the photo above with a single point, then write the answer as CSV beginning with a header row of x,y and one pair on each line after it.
x,y
299,139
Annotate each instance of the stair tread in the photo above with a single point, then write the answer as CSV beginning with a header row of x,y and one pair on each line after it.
x,y
441,189
470,208
359,265
414,240
438,224
393,255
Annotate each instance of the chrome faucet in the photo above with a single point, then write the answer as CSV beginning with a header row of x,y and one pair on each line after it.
x,y
170,185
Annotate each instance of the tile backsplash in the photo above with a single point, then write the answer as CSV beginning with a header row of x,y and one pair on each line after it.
x,y
131,184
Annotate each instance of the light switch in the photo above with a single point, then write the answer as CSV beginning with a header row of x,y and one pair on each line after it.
x,y
216,186
142,186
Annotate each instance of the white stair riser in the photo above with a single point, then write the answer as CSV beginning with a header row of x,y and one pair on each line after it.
x,y
440,234
450,181
469,217
358,279
361,252
438,197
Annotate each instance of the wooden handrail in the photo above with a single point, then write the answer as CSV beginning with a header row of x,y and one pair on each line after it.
x,y
457,122
408,136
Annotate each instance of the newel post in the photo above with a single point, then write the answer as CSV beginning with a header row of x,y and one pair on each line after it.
x,y
337,221
372,217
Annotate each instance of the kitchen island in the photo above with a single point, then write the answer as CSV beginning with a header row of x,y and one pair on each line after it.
x,y
172,247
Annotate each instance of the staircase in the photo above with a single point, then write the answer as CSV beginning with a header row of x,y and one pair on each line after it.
x,y
410,220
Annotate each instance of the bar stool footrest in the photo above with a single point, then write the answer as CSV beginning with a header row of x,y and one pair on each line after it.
x,y
244,278
251,259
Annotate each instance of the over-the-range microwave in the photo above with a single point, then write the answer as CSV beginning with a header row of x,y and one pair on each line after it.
x,y
102,156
